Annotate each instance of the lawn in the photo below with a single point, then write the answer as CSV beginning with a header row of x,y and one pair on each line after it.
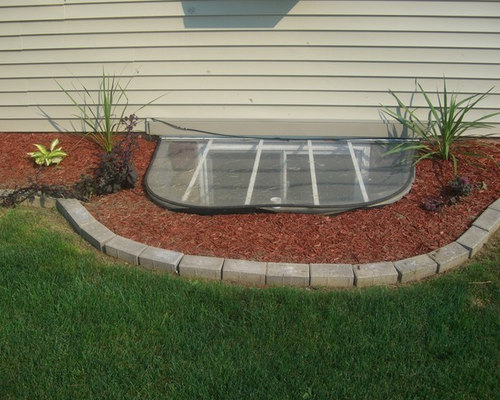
x,y
75,324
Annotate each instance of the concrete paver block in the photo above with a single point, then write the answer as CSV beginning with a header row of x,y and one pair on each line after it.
x,y
75,213
495,205
415,268
40,202
450,256
250,272
96,234
287,274
489,220
124,249
332,275
473,239
32,202
47,202
160,259
379,273
201,267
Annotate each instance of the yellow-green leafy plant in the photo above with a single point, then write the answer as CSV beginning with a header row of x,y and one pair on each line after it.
x,y
49,156
446,125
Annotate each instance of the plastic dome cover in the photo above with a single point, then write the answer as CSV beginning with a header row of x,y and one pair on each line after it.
x,y
220,174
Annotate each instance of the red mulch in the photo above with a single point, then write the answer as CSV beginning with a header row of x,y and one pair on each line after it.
x,y
392,232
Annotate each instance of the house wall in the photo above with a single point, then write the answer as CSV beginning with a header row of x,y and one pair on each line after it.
x,y
318,63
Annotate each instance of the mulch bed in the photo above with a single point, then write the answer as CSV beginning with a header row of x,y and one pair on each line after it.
x,y
391,232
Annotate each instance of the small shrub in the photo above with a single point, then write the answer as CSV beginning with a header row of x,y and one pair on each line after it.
x,y
459,187
116,170
433,204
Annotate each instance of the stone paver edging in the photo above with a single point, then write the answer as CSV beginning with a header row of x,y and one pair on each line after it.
x,y
280,274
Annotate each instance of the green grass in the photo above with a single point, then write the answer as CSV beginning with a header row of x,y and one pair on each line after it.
x,y
74,324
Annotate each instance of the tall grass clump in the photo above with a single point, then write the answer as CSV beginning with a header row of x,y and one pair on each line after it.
x,y
102,113
446,125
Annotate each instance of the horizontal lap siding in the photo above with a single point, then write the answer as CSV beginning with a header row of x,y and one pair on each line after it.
x,y
286,59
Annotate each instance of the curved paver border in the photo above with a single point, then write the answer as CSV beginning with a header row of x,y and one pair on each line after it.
x,y
279,274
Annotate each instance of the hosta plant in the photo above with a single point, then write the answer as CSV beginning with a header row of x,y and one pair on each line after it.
x,y
52,155
445,127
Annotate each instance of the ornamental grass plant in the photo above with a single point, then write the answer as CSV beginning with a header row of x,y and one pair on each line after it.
x,y
443,133
102,113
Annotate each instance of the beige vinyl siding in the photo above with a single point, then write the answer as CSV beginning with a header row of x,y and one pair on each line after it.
x,y
316,62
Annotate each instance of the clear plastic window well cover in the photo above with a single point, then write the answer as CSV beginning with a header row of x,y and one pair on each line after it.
x,y
236,174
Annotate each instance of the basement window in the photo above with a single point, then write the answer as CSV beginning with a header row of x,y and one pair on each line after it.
x,y
211,175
